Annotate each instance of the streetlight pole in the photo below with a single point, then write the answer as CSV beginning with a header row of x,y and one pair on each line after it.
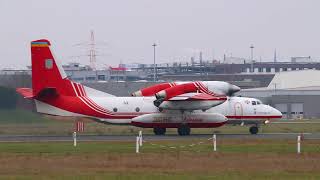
x,y
154,62
251,47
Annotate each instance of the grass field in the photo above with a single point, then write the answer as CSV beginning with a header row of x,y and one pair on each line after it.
x,y
26,122
235,159
163,160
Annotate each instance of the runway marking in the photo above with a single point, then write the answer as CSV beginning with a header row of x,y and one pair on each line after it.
x,y
294,123
283,133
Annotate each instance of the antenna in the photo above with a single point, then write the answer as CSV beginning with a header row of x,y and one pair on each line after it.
x,y
92,51
251,47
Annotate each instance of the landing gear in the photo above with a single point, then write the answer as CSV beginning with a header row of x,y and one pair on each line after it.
x,y
254,129
159,131
184,130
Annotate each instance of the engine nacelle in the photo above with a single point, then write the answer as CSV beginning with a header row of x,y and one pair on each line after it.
x,y
220,87
193,120
177,90
152,90
208,87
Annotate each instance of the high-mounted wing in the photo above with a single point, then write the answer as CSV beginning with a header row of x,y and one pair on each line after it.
x,y
208,87
190,101
196,97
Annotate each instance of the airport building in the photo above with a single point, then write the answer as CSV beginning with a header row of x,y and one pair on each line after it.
x,y
238,71
295,93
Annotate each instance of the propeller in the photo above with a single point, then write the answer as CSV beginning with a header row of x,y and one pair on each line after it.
x,y
232,90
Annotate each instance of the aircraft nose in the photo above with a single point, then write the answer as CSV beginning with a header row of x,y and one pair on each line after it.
x,y
276,112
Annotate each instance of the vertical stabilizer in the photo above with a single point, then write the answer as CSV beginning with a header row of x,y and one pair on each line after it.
x,y
46,72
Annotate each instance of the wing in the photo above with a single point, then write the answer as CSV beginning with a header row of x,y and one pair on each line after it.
x,y
190,101
197,97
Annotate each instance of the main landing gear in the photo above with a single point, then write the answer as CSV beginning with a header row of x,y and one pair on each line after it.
x,y
254,129
159,131
184,130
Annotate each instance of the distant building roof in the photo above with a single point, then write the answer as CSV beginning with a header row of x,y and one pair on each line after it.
x,y
295,79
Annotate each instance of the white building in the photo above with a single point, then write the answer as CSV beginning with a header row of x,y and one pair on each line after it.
x,y
295,93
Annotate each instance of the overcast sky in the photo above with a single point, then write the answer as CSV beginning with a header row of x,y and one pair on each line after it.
x,y
181,28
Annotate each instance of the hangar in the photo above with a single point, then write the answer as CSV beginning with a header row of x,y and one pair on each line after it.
x,y
295,93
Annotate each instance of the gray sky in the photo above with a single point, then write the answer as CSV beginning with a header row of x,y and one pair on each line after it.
x,y
181,28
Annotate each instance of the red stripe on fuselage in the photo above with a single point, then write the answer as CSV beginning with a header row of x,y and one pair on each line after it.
x,y
79,106
82,98
82,105
101,109
91,102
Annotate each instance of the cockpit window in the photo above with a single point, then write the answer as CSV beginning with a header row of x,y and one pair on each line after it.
x,y
254,103
258,102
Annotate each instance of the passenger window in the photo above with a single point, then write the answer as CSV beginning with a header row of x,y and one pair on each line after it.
x,y
253,103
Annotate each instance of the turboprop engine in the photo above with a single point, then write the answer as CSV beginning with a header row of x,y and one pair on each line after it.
x,y
208,87
177,90
152,90
207,101
192,120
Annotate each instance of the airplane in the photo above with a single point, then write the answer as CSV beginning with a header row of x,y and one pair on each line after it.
x,y
233,107
182,106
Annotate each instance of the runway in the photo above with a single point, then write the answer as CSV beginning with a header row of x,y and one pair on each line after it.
x,y
65,138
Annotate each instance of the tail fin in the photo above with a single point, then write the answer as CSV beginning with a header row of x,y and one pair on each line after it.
x,y
47,73
48,77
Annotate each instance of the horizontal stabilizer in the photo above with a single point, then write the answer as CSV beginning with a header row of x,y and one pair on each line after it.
x,y
26,92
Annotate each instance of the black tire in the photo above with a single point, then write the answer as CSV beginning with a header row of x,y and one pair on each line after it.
x,y
254,130
184,130
159,131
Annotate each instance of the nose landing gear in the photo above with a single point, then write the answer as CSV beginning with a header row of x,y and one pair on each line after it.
x,y
159,131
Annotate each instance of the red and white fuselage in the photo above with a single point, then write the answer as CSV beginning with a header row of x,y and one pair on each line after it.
x,y
121,110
